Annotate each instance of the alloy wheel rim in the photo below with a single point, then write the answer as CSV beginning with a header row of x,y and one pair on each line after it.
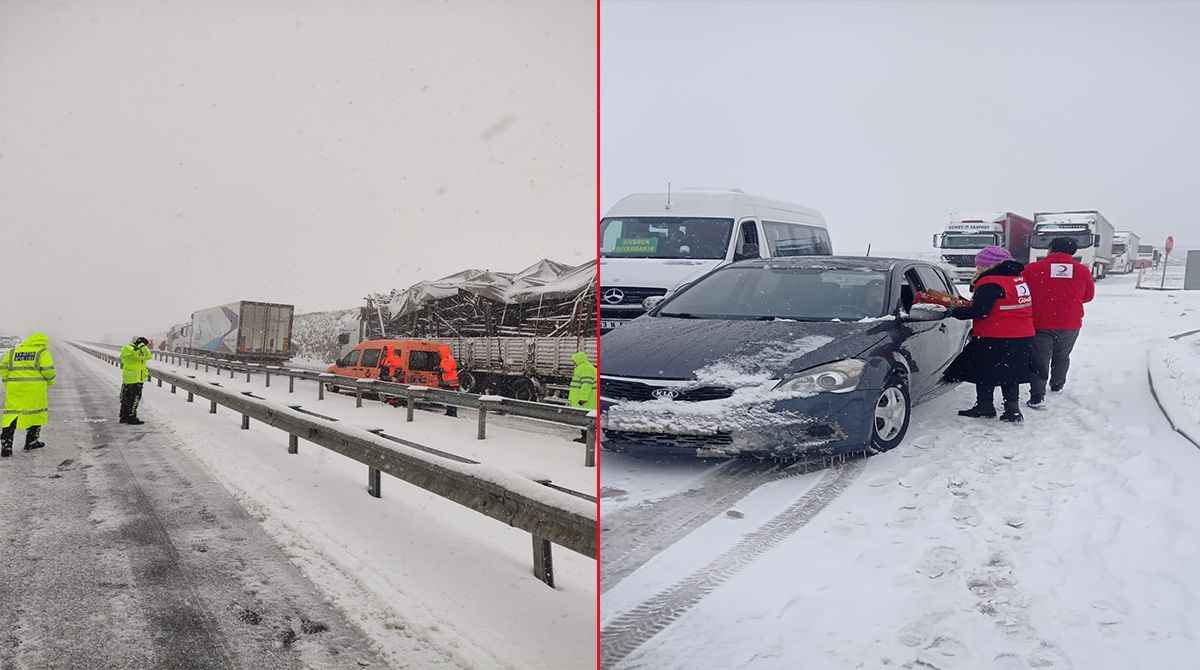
x,y
890,413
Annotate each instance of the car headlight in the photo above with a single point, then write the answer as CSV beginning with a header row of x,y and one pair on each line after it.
x,y
837,377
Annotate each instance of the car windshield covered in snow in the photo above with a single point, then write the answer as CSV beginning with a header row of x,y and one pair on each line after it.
x,y
665,237
781,291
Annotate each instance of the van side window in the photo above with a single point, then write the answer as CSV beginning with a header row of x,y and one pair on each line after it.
x,y
349,360
934,281
424,361
370,358
747,243
910,284
792,239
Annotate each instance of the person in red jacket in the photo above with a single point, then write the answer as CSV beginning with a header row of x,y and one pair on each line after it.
x,y
1000,352
1061,285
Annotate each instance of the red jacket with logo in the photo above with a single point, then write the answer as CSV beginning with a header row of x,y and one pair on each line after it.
x,y
1060,285
1012,315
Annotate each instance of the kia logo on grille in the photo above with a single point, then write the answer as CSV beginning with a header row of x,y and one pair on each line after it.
x,y
665,394
613,296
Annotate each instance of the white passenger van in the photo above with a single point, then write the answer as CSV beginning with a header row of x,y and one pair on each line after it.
x,y
651,243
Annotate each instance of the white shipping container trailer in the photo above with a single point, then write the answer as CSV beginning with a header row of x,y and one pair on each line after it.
x,y
245,330
1125,251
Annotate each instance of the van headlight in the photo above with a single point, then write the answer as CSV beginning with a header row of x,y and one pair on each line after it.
x,y
837,377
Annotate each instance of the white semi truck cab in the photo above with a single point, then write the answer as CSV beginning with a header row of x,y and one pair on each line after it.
x,y
1125,251
962,239
1092,233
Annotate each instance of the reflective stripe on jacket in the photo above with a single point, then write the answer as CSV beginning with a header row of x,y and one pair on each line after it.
x,y
1012,315
27,372
133,363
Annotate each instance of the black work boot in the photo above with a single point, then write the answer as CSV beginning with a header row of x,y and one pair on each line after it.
x,y
1037,402
134,421
6,450
1012,413
979,411
30,446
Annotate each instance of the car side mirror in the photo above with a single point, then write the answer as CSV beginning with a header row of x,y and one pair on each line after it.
x,y
922,312
652,302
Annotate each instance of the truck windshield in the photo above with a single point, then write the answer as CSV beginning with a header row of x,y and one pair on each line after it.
x,y
1043,237
781,292
1118,249
665,237
958,241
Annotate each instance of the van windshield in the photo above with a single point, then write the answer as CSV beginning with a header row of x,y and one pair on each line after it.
x,y
1044,236
665,237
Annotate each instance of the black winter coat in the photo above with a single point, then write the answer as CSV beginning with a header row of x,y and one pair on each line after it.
x,y
992,361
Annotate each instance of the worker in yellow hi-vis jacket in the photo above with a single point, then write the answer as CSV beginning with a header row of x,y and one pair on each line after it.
x,y
133,374
27,372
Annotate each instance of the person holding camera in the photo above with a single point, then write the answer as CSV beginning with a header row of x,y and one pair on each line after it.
x,y
134,373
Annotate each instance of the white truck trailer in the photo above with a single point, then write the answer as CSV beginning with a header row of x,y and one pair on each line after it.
x,y
245,330
1125,251
1092,233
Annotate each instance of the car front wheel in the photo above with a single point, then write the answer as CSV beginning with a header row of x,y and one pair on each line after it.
x,y
892,412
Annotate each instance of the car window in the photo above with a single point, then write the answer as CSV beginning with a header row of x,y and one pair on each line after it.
x,y
424,361
349,360
932,280
370,358
790,239
910,283
747,242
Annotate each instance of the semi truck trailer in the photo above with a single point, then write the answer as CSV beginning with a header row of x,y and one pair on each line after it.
x,y
1093,236
1125,251
246,330
964,237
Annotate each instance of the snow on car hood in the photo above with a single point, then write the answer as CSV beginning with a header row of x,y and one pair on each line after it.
x,y
652,272
730,353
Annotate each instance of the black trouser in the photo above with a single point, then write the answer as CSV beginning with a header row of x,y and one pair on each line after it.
x,y
131,396
10,432
1052,351
985,395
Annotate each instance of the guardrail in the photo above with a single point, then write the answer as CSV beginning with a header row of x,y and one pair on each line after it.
x,y
410,394
549,513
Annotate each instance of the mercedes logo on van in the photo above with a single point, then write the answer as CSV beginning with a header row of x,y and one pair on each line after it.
x,y
613,296
664,394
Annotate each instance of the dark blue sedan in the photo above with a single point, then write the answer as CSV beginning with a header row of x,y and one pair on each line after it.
x,y
780,357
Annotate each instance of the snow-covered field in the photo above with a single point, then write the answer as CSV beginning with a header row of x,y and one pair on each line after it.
x,y
1175,373
1070,541
409,565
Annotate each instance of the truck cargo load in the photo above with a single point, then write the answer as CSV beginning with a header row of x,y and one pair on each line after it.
x,y
512,334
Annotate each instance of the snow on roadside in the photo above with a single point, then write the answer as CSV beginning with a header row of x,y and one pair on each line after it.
x,y
408,565
1064,542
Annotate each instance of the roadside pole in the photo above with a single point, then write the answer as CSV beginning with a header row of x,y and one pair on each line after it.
x,y
1166,256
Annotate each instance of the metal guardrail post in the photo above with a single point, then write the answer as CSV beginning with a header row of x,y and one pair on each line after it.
x,y
589,457
485,406
231,371
245,422
373,482
320,389
357,395
212,406
291,383
543,560
268,374
247,375
411,405
172,388
191,397
160,382
293,444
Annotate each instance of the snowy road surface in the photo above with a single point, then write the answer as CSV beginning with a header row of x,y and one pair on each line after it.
x,y
1070,541
120,551
432,584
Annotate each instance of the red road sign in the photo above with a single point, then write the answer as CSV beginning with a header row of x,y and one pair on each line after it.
x,y
1170,243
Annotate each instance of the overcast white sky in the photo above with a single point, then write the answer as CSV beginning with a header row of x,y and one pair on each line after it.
x,y
169,156
887,116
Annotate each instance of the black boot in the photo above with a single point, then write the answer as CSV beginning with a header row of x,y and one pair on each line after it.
x,y
34,445
1012,413
6,450
134,421
979,411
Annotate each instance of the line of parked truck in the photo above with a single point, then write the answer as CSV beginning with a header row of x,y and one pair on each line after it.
x,y
1102,248
526,368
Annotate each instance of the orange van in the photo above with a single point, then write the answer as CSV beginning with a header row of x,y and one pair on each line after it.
x,y
417,362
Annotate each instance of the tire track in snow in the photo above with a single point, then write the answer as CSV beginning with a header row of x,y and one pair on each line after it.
x,y
634,628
